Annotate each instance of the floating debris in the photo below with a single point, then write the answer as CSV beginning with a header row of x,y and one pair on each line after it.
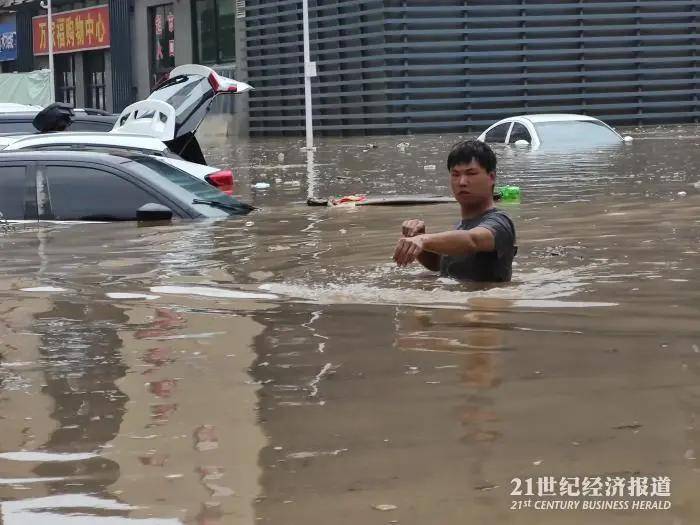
x,y
46,456
126,295
633,426
261,185
384,507
315,454
44,289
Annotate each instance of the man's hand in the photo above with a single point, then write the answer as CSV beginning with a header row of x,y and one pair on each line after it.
x,y
408,249
412,227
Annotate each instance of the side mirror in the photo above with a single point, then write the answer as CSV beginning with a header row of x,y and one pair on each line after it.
x,y
154,212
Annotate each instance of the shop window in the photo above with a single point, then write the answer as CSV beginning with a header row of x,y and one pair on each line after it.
x,y
94,66
64,67
215,30
162,28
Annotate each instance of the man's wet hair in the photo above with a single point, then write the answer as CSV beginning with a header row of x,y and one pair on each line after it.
x,y
466,151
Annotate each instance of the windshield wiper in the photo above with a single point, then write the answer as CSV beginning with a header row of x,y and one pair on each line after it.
x,y
241,206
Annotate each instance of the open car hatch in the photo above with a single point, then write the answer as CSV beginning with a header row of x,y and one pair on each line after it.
x,y
176,108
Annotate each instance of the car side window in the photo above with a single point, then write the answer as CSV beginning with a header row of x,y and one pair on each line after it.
x,y
519,132
12,191
498,134
87,193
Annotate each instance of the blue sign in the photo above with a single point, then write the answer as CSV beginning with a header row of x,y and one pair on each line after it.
x,y
8,42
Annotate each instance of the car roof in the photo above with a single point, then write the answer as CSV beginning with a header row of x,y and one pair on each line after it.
x,y
79,114
114,158
105,138
557,117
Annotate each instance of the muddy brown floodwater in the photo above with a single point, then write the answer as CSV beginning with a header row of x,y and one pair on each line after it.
x,y
278,369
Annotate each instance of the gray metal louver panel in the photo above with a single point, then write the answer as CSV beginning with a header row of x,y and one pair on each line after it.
x,y
421,65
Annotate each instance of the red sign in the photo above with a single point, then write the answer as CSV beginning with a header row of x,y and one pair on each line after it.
x,y
159,25
77,30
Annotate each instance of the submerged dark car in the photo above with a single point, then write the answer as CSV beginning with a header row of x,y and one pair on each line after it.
x,y
116,186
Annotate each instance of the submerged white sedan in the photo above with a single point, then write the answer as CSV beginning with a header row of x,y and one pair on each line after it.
x,y
551,129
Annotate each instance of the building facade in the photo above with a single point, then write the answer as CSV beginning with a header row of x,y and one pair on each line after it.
x,y
91,41
383,65
452,65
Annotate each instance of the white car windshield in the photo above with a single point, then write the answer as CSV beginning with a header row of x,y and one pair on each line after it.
x,y
576,132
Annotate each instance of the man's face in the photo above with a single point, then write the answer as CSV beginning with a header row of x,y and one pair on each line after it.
x,y
471,183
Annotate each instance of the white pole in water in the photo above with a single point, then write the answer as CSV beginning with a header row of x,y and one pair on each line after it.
x,y
46,4
311,175
309,73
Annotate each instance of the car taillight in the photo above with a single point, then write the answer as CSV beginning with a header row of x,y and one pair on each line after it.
x,y
222,179
218,88
214,82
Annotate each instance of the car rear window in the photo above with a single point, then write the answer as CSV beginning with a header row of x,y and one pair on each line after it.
x,y
184,93
194,187
90,125
575,132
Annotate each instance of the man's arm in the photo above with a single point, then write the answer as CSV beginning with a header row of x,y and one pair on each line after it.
x,y
413,227
460,242
431,245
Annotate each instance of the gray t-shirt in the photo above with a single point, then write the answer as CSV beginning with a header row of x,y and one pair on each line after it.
x,y
495,266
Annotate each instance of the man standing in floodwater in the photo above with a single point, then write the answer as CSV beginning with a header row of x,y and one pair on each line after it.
x,y
482,246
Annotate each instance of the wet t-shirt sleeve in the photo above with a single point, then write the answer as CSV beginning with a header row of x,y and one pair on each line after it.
x,y
500,225
494,266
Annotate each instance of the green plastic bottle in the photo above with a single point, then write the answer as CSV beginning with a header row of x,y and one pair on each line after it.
x,y
508,193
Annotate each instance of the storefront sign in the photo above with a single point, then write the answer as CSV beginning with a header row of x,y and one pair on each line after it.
x,y
8,42
78,30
